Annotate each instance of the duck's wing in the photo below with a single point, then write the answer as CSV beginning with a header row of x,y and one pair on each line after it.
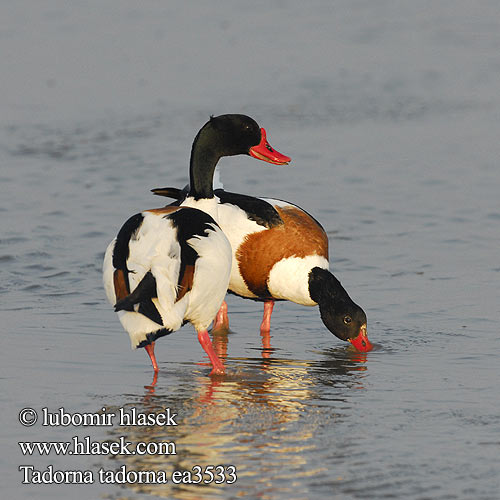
x,y
257,209
142,272
175,193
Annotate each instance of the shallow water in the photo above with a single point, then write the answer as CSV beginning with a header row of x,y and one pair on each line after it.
x,y
391,116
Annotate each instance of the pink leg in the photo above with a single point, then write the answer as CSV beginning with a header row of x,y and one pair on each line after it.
x,y
266,343
266,320
150,388
219,343
218,367
150,349
221,321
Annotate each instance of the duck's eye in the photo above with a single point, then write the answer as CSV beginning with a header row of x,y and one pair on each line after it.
x,y
347,319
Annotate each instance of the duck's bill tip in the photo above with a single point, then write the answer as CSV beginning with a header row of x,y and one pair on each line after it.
x,y
265,152
361,342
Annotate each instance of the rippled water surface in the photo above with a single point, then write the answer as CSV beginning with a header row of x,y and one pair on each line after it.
x,y
391,114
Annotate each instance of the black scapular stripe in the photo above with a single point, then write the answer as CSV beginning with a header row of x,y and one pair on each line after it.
x,y
258,210
189,222
146,289
121,250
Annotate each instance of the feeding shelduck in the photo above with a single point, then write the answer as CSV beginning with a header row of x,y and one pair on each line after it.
x,y
280,252
171,265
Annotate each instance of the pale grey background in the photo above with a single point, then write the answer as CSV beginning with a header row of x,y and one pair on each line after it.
x,y
391,113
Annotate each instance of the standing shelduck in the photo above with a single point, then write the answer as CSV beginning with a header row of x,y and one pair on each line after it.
x,y
280,252
171,265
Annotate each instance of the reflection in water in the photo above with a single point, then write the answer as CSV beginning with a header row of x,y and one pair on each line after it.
x,y
252,418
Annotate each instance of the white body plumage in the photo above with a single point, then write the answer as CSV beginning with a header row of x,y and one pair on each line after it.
x,y
155,246
288,278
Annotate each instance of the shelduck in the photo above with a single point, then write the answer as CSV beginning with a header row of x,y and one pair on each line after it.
x,y
280,252
171,265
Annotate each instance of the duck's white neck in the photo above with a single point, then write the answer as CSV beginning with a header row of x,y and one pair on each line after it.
x,y
217,183
208,205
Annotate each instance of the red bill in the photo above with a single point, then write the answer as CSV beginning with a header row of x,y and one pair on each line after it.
x,y
361,342
265,152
